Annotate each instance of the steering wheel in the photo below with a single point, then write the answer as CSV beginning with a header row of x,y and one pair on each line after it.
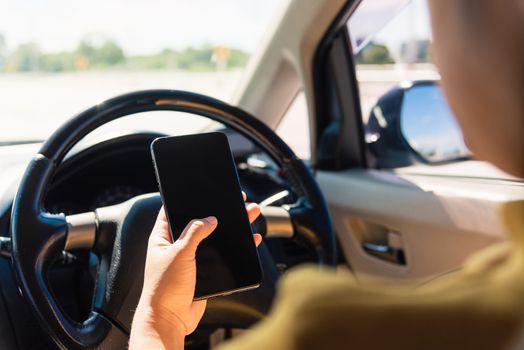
x,y
119,234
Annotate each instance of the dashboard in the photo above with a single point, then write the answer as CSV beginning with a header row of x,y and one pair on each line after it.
x,y
118,169
105,174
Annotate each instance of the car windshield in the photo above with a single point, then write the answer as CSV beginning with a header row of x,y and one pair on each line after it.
x,y
59,57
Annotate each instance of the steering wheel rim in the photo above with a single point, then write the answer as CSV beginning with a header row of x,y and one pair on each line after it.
x,y
38,236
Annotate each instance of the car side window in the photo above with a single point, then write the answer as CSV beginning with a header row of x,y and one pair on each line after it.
x,y
294,127
406,118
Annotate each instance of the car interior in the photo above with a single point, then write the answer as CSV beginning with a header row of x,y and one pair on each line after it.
x,y
346,159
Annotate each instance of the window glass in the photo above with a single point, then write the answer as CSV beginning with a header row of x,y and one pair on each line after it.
x,y
407,120
59,57
394,49
294,127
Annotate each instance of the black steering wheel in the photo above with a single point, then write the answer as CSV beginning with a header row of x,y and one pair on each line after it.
x,y
119,234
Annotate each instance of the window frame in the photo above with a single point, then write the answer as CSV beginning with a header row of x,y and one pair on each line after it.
x,y
337,96
339,137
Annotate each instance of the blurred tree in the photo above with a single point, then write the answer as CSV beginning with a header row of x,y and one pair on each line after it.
x,y
86,52
195,59
88,55
3,52
374,53
26,57
57,62
237,59
200,59
166,59
109,54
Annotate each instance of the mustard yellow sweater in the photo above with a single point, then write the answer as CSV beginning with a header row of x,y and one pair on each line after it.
x,y
481,307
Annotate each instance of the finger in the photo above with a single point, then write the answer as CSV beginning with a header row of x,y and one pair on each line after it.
x,y
253,211
198,229
258,238
160,234
244,195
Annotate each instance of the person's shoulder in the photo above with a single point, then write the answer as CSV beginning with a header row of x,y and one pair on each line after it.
x,y
512,215
314,277
305,283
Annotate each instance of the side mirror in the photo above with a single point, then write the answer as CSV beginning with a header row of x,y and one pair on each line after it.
x,y
413,123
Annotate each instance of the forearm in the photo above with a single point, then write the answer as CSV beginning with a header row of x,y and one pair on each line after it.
x,y
153,331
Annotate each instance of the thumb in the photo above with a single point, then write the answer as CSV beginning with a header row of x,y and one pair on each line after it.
x,y
197,230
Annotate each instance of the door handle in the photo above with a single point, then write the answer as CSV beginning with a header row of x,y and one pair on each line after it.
x,y
385,252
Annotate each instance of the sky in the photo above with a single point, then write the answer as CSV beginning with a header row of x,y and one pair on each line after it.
x,y
390,22
148,26
139,26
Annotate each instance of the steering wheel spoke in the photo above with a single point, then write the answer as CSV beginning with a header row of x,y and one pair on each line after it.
x,y
81,231
277,222
310,229
299,221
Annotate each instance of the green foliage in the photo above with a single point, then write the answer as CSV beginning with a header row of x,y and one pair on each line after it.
x,y
374,53
164,60
238,58
3,51
85,49
194,59
57,62
25,58
28,57
109,54
190,59
106,55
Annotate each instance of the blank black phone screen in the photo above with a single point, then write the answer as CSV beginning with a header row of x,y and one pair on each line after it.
x,y
198,178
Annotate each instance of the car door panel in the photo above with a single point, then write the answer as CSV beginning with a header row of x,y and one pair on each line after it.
x,y
436,222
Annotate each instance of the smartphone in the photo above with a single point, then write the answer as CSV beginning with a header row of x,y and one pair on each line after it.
x,y
197,178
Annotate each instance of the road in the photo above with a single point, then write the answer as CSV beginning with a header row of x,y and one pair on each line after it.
x,y
33,105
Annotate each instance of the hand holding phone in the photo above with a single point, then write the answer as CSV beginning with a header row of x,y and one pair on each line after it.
x,y
197,178
169,282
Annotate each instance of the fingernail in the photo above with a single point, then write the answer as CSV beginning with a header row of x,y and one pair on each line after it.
x,y
212,220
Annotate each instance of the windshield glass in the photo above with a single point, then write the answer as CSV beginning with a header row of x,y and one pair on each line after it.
x,y
59,57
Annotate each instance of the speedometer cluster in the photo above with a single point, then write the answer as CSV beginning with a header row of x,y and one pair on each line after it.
x,y
116,194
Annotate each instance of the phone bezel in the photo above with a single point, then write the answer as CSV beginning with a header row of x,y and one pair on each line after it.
x,y
157,175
